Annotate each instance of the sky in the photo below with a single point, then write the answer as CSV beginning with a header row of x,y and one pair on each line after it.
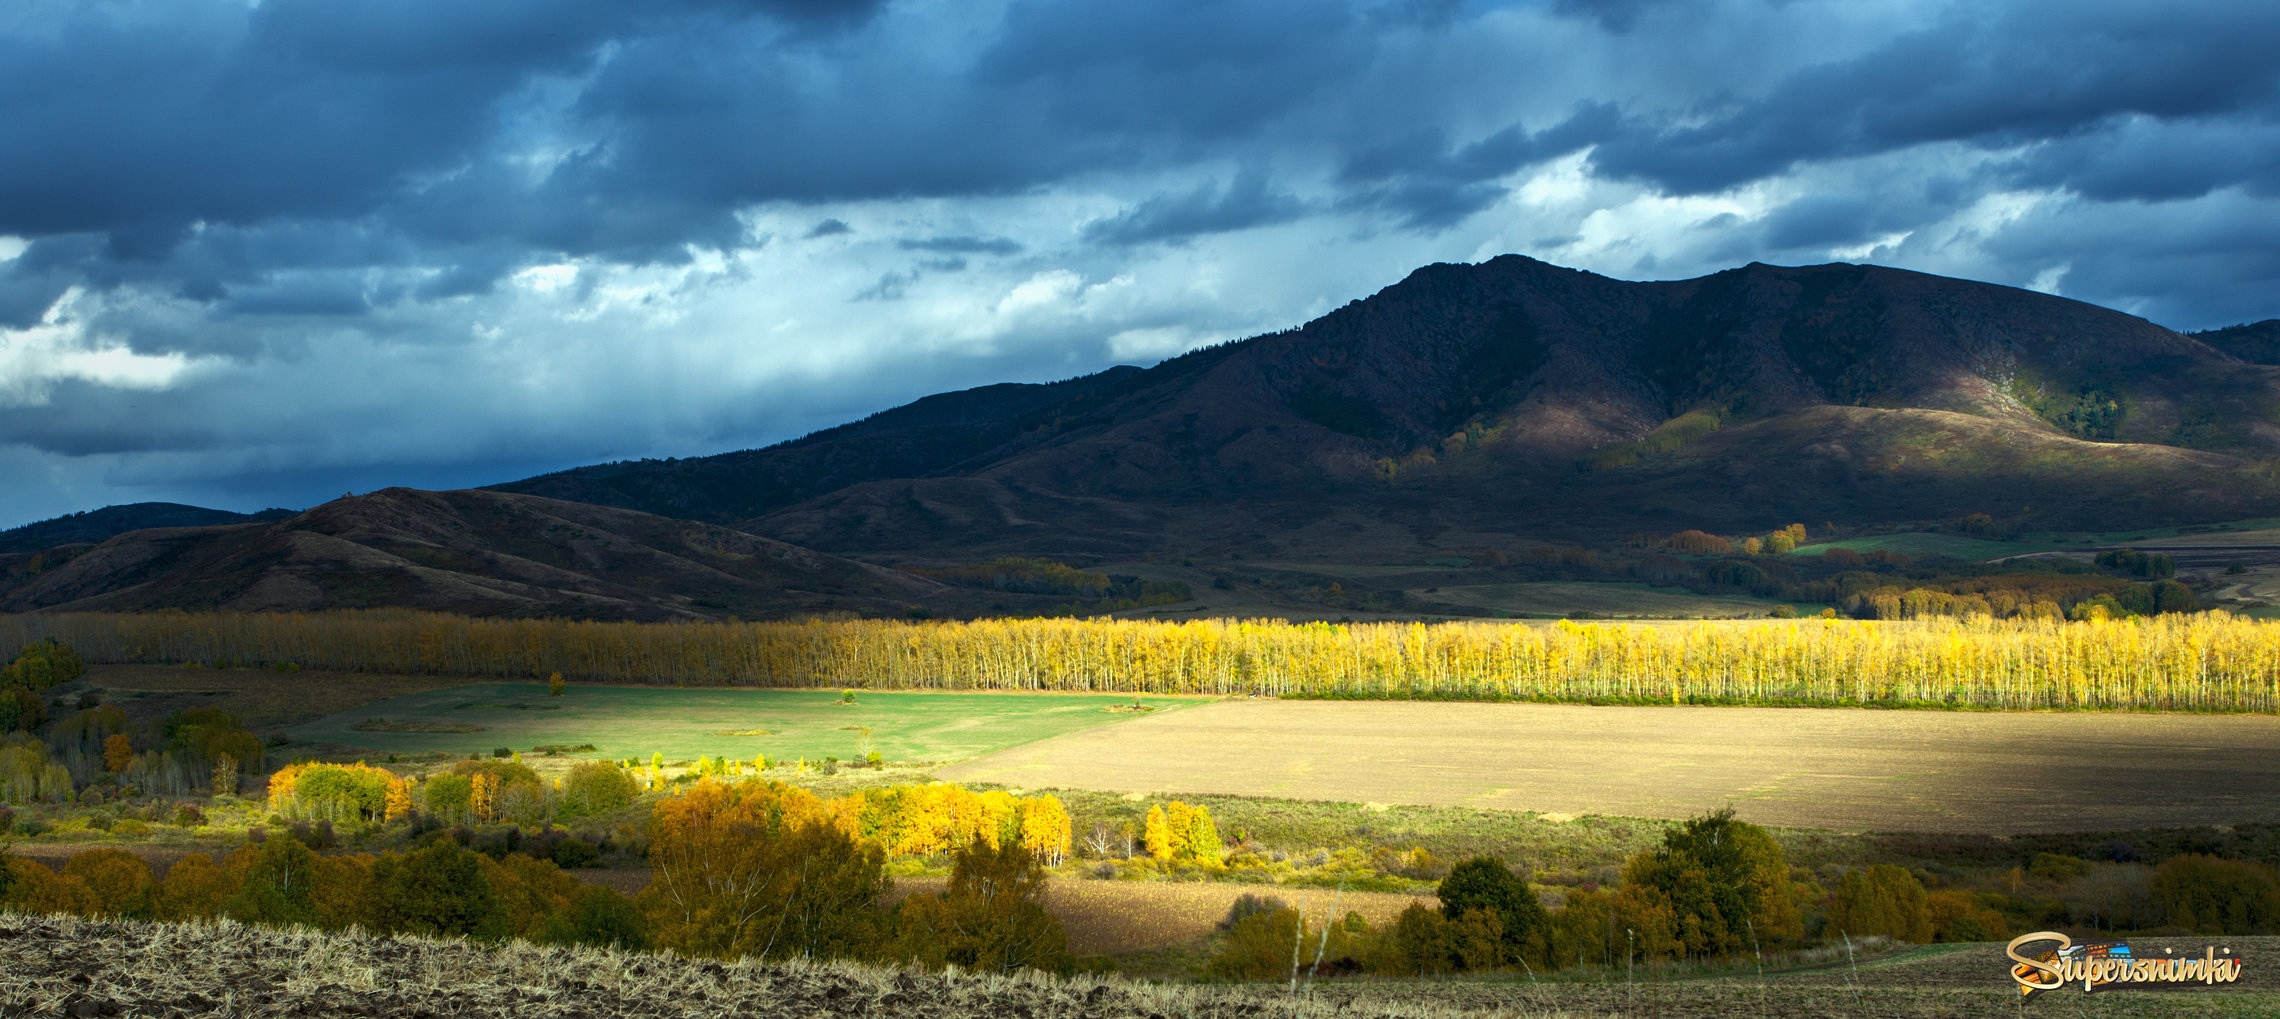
x,y
263,253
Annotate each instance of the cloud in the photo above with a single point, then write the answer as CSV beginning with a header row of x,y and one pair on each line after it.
x,y
292,247
1208,209
963,245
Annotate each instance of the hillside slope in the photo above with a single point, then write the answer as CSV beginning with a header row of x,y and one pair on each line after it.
x,y
1514,397
483,553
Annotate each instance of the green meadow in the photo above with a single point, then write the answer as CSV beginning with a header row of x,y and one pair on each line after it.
x,y
684,723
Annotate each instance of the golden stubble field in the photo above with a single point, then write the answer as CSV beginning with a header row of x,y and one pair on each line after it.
x,y
1990,772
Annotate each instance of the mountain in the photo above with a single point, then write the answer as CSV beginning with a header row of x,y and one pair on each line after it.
x,y
2257,342
482,553
1469,403
96,525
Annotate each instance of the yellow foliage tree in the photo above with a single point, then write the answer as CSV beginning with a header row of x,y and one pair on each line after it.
x,y
399,803
483,794
1156,835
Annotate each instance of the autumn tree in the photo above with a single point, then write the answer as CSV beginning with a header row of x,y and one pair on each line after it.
x,y
1156,835
759,869
118,752
991,917
482,794
194,888
1881,900
120,882
398,804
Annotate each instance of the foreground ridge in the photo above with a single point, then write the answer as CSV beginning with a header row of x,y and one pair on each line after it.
x,y
67,966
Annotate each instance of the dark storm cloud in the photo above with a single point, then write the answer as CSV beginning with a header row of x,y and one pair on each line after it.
x,y
1990,77
828,228
962,245
1246,202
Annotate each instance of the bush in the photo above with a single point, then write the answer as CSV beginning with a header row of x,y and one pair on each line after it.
x,y
1248,905
187,815
573,853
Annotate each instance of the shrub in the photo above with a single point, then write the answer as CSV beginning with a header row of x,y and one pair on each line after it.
x,y
1247,905
187,815
2053,867
573,853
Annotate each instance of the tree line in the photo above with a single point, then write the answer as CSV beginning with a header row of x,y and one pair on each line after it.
x,y
2202,662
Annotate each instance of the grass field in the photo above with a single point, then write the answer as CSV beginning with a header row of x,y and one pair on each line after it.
x,y
683,724
1843,769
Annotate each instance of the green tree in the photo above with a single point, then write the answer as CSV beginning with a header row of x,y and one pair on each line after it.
x,y
596,787
1484,883
1725,881
2208,895
438,889
597,916
279,887
42,664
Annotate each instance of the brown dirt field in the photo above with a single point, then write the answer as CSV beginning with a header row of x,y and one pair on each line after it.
x,y
1838,769
262,699
1113,917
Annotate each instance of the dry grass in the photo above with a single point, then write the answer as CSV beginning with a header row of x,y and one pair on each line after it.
x,y
62,966
1842,769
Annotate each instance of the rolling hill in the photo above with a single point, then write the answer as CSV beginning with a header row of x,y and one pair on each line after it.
x,y
1514,397
482,553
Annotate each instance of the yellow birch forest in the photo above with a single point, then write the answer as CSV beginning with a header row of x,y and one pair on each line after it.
x,y
2202,662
